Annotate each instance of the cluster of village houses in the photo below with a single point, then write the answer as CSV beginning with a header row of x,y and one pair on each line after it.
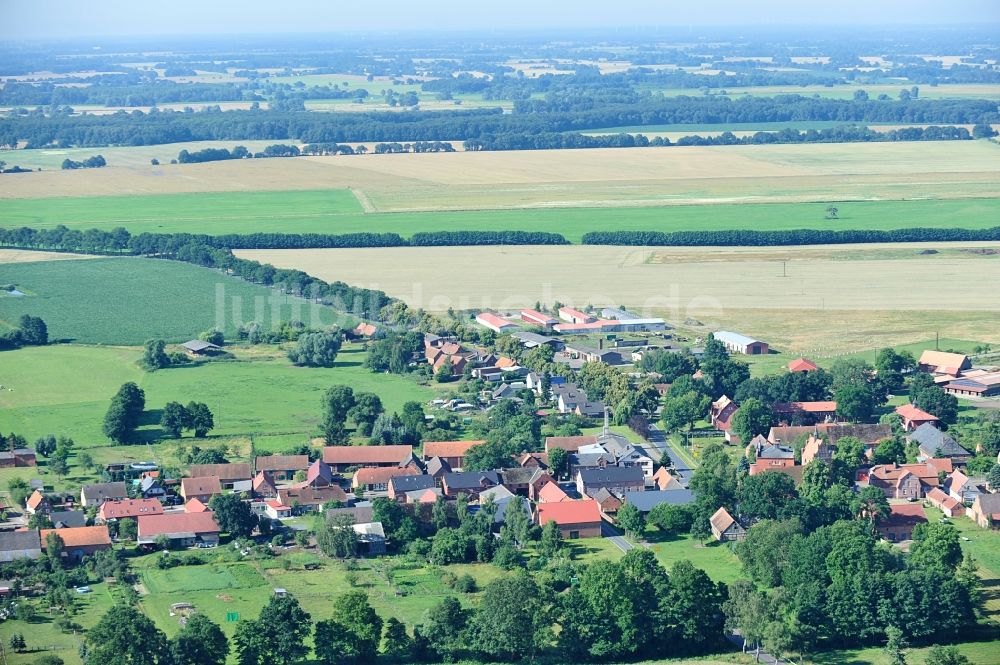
x,y
605,471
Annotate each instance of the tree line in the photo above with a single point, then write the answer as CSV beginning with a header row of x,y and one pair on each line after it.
x,y
751,238
531,117
95,162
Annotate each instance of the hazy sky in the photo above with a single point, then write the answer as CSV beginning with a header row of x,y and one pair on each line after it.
x,y
83,18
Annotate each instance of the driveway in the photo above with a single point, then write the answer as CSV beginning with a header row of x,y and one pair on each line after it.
x,y
615,536
658,442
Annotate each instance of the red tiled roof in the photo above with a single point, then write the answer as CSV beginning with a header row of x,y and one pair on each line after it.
x,y
366,454
282,463
552,493
911,412
196,506
449,448
807,407
802,365
35,499
112,510
493,320
904,513
155,525
566,513
199,486
938,497
236,471
381,475
81,536
568,443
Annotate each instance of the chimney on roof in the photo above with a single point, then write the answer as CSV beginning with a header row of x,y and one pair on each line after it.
x,y
600,343
606,424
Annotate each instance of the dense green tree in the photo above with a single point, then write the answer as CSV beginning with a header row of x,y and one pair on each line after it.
x,y
316,349
112,641
694,605
174,418
550,541
509,623
671,519
352,635
367,407
287,626
233,514
765,495
936,545
33,331
200,642
154,355
764,552
558,460
684,409
890,451
45,445
752,418
631,520
937,402
250,642
855,403
200,419
337,402
895,646
445,629
123,415
396,644
939,655
748,611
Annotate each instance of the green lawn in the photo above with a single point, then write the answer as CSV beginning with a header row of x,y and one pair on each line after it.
x,y
716,559
261,394
129,300
334,211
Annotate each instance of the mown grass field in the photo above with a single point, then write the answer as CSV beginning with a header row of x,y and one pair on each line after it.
x,y
309,212
65,389
130,300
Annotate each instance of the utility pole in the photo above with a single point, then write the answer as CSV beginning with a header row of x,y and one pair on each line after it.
x,y
783,273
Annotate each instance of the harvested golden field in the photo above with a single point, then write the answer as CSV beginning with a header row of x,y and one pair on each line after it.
x,y
25,256
558,178
840,297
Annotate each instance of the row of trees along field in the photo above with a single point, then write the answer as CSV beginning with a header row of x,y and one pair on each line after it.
x,y
536,117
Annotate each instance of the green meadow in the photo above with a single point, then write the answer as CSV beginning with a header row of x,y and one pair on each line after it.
x,y
65,389
129,300
337,211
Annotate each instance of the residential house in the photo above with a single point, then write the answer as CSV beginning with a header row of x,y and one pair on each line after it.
x,y
437,467
129,508
150,487
342,458
276,510
80,541
913,417
263,486
365,330
19,545
95,495
425,496
551,493
725,528
802,365
281,468
228,474
963,488
37,503
806,413
646,501
319,474
948,505
940,362
525,480
68,519
311,499
376,479
787,467
907,481
19,457
664,480
452,452
575,519
985,511
816,448
869,434
501,497
762,449
613,478
932,442
899,524
721,415
536,460
400,486
468,482
201,488
737,343
181,529
608,502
